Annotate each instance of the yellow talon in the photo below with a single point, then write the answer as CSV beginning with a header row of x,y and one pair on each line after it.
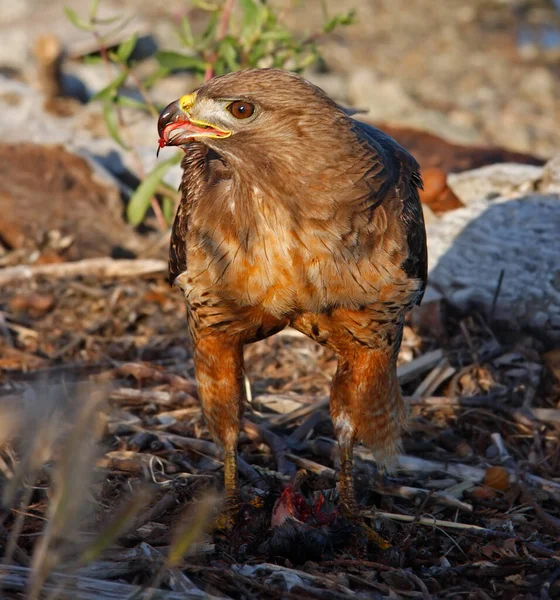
x,y
374,537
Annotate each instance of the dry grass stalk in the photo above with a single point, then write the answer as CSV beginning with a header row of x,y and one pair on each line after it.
x,y
70,484
193,523
429,521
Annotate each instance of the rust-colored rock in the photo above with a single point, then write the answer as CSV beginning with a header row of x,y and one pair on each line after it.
x,y
51,201
482,493
436,193
552,361
438,157
432,151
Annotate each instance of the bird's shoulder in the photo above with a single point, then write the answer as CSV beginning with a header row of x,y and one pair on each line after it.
x,y
401,172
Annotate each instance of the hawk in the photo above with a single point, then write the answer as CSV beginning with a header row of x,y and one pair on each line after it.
x,y
294,214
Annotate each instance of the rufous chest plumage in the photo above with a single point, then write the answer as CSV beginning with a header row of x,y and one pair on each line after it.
x,y
269,256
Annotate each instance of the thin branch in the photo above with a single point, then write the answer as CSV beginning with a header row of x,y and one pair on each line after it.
x,y
429,521
222,32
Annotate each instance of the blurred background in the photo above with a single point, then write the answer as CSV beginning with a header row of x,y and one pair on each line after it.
x,y
479,73
92,75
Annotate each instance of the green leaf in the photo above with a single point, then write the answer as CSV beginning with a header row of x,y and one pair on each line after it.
x,y
107,20
93,9
92,59
307,61
174,61
228,52
109,92
110,116
155,77
72,16
126,48
168,209
250,11
208,38
343,19
254,16
140,201
258,52
129,102
185,32
277,35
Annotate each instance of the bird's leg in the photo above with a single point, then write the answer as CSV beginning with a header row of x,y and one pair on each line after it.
x,y
218,360
345,425
366,404
230,481
346,477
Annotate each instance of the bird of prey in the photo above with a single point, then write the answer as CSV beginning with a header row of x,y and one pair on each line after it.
x,y
294,214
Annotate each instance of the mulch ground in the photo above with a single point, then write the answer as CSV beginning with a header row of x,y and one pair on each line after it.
x,y
472,509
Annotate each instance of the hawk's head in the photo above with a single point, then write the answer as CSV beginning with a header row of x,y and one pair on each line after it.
x,y
250,110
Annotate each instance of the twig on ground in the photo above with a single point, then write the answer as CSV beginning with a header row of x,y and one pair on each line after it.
x,y
88,267
210,449
440,373
312,466
417,366
424,521
276,443
415,493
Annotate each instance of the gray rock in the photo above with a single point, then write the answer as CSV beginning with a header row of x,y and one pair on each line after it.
x,y
517,233
23,21
333,84
493,181
23,119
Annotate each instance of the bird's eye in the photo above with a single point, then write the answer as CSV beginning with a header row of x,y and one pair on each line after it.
x,y
241,109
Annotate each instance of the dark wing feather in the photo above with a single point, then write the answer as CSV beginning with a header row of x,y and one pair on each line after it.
x,y
178,245
403,171
192,163
203,171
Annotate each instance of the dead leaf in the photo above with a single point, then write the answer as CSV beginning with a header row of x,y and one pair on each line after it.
x,y
497,478
552,361
37,304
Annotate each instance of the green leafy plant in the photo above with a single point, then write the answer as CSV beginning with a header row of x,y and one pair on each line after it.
x,y
252,36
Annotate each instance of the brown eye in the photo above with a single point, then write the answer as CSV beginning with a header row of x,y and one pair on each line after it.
x,y
241,110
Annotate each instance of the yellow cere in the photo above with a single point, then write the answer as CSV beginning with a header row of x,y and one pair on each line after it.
x,y
186,102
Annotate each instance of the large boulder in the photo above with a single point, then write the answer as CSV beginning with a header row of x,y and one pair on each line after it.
x,y
509,229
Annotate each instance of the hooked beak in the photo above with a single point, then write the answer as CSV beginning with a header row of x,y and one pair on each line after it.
x,y
176,127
